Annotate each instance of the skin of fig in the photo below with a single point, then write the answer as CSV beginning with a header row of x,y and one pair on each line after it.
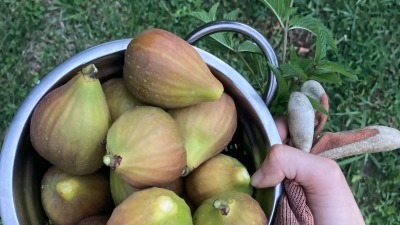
x,y
149,145
120,189
69,125
243,209
218,174
91,196
119,98
141,208
206,128
95,220
159,74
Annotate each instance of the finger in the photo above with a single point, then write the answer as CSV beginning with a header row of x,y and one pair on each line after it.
x,y
283,130
310,171
321,118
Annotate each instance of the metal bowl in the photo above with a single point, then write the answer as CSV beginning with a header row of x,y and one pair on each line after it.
x,y
21,168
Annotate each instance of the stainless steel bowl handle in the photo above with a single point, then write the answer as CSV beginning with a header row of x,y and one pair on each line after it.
x,y
259,39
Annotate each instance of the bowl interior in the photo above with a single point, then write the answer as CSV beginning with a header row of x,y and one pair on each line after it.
x,y
249,144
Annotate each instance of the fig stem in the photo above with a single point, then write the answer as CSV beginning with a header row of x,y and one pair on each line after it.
x,y
90,71
186,171
222,207
112,161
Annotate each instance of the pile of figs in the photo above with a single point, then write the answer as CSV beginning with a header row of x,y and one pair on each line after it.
x,y
145,147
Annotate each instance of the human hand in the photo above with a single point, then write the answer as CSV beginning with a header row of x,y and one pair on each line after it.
x,y
326,190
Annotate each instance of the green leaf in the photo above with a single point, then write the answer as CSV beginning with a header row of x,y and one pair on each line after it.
x,y
281,8
287,70
219,41
204,16
249,46
300,72
337,68
293,54
317,106
326,77
224,40
213,11
232,15
262,66
320,49
306,64
316,27
201,15
293,70
283,87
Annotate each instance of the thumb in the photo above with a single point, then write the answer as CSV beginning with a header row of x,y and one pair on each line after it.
x,y
287,162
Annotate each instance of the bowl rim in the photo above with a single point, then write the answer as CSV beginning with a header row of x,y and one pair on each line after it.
x,y
12,138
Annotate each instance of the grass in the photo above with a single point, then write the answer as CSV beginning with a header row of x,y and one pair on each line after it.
x,y
370,45
38,35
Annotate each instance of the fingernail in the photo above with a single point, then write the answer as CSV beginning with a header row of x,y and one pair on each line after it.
x,y
257,178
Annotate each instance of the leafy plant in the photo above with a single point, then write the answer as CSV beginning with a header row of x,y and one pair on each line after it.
x,y
294,68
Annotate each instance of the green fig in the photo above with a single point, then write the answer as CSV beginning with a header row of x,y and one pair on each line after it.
x,y
144,147
95,220
230,208
67,199
218,174
164,70
69,125
120,189
119,98
206,129
152,206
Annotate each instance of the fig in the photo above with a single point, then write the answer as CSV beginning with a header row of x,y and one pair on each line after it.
x,y
144,147
176,186
67,199
230,208
218,174
69,125
119,98
152,206
163,70
94,220
120,189
206,129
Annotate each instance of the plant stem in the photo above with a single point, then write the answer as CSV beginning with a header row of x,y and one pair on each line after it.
x,y
112,161
222,207
89,70
285,36
245,62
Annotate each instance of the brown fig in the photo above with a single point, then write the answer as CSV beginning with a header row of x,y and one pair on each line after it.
x,y
144,147
70,124
162,69
152,206
176,186
94,220
119,98
120,189
67,199
206,128
230,208
218,174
